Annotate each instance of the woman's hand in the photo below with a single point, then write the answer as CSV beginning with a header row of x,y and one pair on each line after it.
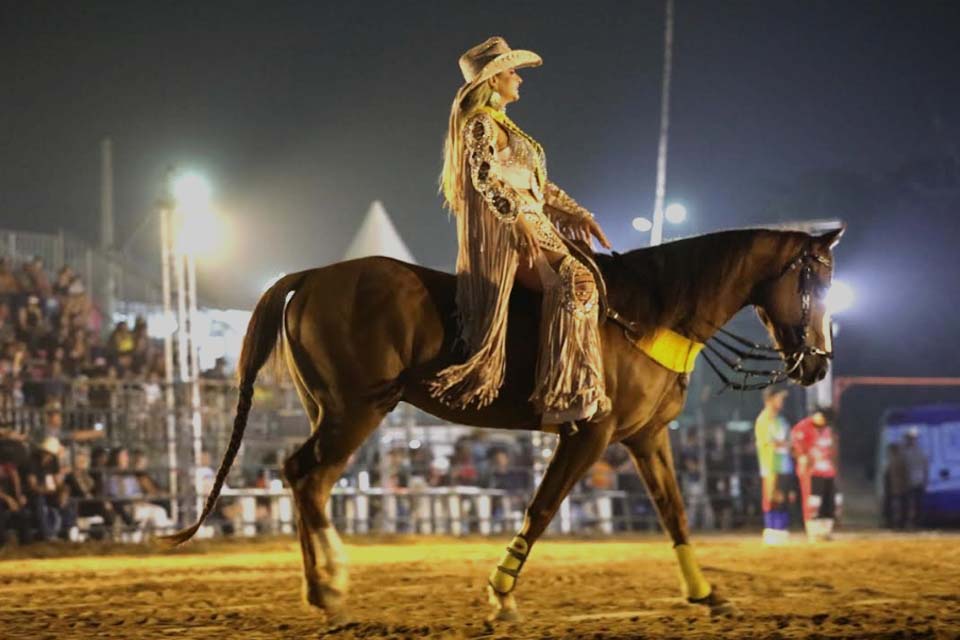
x,y
586,229
527,238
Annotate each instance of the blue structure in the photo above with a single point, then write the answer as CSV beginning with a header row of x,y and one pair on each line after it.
x,y
938,436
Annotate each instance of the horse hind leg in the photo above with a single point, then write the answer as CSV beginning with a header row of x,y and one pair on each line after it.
x,y
312,471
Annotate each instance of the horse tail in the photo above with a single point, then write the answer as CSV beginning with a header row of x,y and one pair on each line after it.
x,y
263,331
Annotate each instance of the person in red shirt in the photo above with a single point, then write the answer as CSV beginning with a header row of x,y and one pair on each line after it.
x,y
815,448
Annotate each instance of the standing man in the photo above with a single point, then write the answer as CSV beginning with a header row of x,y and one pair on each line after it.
x,y
917,473
772,433
815,448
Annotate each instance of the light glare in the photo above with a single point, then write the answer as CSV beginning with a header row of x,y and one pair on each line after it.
x,y
675,213
642,224
839,298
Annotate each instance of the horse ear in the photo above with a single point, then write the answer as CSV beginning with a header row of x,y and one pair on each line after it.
x,y
831,238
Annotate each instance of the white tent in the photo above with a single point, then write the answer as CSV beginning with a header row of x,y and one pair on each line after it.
x,y
378,237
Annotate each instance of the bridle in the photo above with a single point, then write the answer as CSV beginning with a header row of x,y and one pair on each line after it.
x,y
734,355
806,262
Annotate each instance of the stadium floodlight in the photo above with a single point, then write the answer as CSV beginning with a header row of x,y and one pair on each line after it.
x,y
839,298
642,224
191,192
198,229
675,213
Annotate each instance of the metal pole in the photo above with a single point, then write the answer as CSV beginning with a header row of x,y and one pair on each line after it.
x,y
182,346
196,419
106,226
169,398
656,233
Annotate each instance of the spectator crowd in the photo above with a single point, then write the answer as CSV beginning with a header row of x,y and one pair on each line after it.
x,y
59,354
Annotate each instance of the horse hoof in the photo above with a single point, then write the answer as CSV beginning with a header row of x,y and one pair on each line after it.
x,y
504,607
330,601
718,605
504,615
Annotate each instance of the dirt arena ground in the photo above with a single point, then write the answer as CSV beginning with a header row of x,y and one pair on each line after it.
x,y
860,586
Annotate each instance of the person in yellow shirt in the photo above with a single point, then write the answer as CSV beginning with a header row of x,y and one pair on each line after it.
x,y
772,432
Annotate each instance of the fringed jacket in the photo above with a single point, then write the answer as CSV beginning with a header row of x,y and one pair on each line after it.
x,y
501,184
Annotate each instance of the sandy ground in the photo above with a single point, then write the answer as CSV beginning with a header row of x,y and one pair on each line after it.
x,y
860,586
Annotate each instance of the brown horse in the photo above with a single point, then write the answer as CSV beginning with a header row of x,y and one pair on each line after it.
x,y
363,335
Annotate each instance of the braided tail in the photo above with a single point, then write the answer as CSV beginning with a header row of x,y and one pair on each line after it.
x,y
261,338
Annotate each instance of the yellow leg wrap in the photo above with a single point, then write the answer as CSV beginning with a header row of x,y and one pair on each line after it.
x,y
697,586
504,577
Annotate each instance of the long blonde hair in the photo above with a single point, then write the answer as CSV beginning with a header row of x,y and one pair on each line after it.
x,y
452,178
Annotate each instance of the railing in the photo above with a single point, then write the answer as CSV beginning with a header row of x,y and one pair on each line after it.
x,y
133,414
95,266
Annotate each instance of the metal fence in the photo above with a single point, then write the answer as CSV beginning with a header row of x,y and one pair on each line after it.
x,y
135,415
99,269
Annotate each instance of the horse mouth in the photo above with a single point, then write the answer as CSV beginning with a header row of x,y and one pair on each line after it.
x,y
810,370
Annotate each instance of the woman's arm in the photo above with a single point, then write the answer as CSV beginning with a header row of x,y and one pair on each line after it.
x,y
560,205
572,219
480,137
483,138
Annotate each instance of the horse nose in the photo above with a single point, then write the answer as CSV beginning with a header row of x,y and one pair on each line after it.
x,y
821,375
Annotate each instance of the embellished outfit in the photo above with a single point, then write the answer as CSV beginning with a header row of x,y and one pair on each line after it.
x,y
495,188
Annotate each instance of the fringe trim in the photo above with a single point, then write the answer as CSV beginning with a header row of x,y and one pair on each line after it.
x,y
487,262
570,363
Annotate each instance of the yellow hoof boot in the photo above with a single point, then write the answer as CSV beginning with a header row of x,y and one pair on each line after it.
x,y
503,579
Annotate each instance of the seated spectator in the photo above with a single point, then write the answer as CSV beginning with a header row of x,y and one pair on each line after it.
x,y
32,324
124,485
120,346
61,286
46,494
84,490
14,517
8,332
148,487
34,280
77,351
9,286
463,471
141,345
502,474
77,307
53,426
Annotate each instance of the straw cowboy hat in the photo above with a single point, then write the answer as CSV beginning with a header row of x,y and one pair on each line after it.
x,y
51,445
490,57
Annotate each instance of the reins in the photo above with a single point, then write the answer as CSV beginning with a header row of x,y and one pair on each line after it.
x,y
735,357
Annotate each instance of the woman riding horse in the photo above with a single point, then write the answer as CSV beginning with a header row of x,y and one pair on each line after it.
x,y
495,180
360,336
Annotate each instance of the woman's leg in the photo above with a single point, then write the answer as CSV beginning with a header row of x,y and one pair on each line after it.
x,y
569,379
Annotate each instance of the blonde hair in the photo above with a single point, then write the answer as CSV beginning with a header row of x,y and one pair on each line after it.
x,y
451,178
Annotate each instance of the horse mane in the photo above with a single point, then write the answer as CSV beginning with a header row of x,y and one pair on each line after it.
x,y
663,286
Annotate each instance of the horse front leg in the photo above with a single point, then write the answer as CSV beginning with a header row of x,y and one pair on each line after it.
x,y
575,453
650,450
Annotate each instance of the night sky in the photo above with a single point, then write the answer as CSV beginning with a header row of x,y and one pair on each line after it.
x,y
302,113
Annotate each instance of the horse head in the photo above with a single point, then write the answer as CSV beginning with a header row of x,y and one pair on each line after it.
x,y
792,307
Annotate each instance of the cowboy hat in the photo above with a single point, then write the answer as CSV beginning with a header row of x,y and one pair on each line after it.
x,y
490,57
51,445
